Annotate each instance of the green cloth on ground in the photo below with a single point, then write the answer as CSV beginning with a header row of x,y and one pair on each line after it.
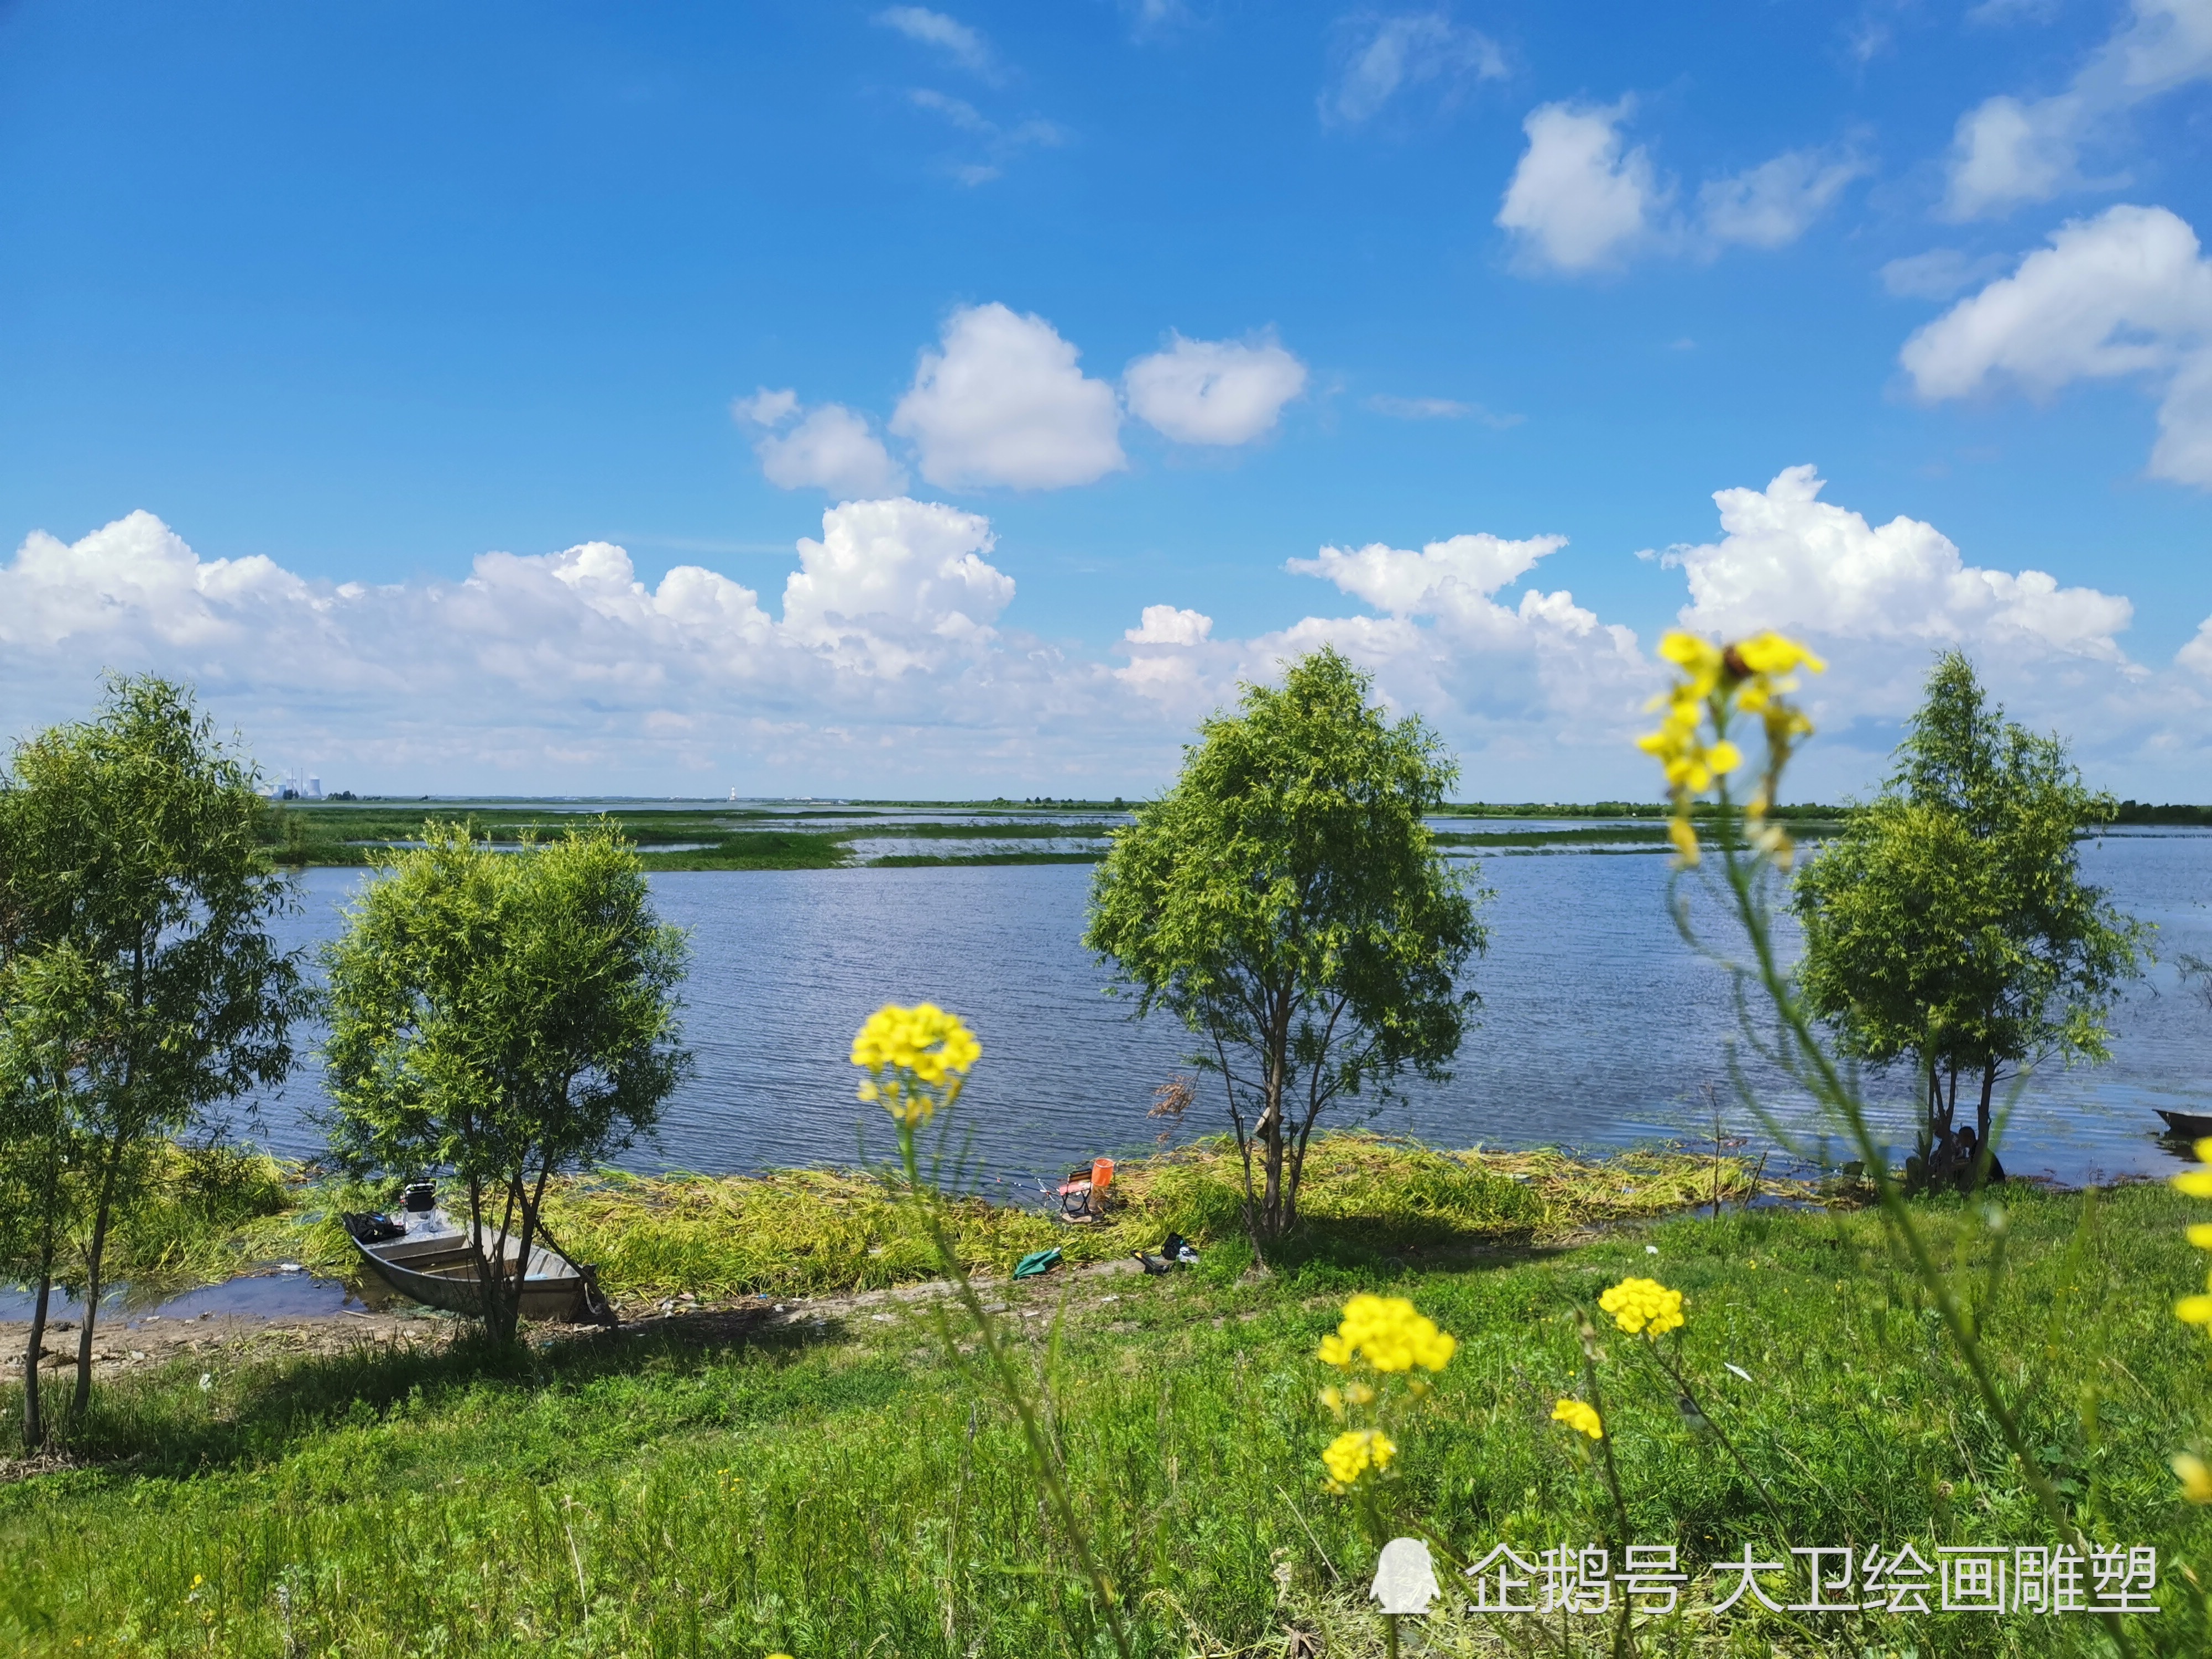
x,y
1037,1261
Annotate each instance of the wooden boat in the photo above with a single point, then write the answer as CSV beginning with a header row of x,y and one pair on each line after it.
x,y
427,1259
2193,1126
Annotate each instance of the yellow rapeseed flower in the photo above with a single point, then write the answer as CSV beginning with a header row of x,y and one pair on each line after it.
x,y
2196,1479
1354,1452
1716,682
1389,1334
917,1059
1643,1305
1580,1416
1768,654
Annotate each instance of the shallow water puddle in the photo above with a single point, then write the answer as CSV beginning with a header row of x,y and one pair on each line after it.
x,y
254,1296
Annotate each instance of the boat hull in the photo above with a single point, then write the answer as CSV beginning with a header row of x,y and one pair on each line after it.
x,y
440,1271
2193,1125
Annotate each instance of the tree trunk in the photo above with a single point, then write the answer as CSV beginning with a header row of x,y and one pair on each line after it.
x,y
35,1417
1271,1120
1988,1088
35,1422
494,1299
81,1399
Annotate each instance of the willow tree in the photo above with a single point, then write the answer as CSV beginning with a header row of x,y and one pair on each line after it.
x,y
507,1016
1286,902
1948,927
139,979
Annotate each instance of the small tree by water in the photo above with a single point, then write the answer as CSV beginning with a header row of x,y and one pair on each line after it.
x,y
1949,926
1285,900
507,1016
139,985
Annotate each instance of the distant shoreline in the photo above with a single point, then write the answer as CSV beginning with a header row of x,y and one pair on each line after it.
x,y
844,835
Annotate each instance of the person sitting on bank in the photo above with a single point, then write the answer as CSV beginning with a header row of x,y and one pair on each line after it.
x,y
1969,1146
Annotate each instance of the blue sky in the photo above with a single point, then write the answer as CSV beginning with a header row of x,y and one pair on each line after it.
x,y
1131,305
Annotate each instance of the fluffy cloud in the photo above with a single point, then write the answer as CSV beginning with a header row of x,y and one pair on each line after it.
x,y
1774,204
1577,200
831,448
1213,391
892,664
547,665
2196,655
1003,402
1789,560
965,46
1878,601
892,584
1384,56
1447,575
2009,150
2128,293
1164,624
1581,200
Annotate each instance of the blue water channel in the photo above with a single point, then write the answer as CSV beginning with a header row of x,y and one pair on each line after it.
x,y
1599,1027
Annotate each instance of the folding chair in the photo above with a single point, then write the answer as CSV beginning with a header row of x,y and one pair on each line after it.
x,y
1083,1195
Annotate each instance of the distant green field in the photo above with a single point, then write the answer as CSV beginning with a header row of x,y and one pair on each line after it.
x,y
822,835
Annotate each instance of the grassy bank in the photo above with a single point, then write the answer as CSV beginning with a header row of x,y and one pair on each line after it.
x,y
832,1487
1367,1199
813,1232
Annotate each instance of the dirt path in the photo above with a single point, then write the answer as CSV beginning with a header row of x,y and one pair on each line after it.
x,y
151,1342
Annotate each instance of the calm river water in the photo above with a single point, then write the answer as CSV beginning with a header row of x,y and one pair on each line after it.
x,y
1598,1026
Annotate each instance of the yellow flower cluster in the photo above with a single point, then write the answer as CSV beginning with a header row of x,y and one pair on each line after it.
x,y
917,1059
1715,682
2195,1477
1580,1416
1389,1335
1354,1452
1643,1305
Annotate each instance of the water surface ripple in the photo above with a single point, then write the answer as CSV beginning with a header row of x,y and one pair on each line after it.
x,y
1598,1026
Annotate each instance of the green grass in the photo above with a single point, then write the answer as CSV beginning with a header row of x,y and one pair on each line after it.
x,y
694,1487
811,1232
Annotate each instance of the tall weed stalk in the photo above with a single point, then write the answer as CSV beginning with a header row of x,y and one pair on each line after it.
x,y
1719,687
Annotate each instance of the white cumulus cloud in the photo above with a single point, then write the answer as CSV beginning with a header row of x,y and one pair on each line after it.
x,y
1790,561
894,662
1003,402
1384,56
2009,150
1213,391
1578,200
831,447
2127,293
892,582
1406,583
537,667
1582,198
1165,625
1879,601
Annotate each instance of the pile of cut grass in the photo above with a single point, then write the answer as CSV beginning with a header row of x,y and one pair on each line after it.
x,y
811,1232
